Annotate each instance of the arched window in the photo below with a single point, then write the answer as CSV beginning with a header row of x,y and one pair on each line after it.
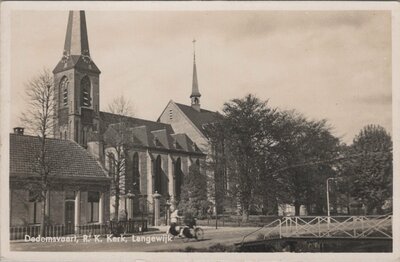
x,y
135,173
178,178
86,99
64,91
157,175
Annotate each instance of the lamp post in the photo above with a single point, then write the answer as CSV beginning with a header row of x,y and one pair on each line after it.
x,y
327,199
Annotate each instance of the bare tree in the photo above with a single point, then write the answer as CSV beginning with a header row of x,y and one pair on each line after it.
x,y
118,143
39,121
121,106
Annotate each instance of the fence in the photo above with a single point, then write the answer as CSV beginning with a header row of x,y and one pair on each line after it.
x,y
125,227
236,221
327,227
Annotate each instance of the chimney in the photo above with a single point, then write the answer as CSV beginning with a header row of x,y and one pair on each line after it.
x,y
18,130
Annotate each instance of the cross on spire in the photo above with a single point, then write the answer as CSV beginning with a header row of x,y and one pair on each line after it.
x,y
194,50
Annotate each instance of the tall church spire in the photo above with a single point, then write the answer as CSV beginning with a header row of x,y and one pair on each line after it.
x,y
76,39
76,85
76,46
195,96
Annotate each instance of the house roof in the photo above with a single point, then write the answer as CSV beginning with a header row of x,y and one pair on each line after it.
x,y
66,158
198,118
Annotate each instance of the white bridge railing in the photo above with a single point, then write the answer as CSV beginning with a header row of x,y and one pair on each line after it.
x,y
326,227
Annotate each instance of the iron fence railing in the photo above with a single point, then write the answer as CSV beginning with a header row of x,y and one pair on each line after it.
x,y
327,227
112,227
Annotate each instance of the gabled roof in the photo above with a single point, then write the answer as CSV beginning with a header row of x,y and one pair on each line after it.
x,y
198,118
66,158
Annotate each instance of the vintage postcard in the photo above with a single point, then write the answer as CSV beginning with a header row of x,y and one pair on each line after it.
x,y
199,131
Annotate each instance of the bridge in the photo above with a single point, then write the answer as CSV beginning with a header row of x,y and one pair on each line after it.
x,y
322,229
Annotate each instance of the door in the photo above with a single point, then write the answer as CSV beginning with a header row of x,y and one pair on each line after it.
x,y
69,217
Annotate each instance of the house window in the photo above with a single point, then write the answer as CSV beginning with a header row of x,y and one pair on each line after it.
x,y
93,206
86,99
35,207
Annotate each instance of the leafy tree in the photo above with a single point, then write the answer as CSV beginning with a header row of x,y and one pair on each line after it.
x,y
309,153
370,168
194,202
39,119
272,157
247,127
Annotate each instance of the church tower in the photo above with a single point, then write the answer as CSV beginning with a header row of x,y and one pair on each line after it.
x,y
195,96
76,83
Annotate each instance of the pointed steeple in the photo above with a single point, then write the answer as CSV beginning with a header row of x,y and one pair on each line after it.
x,y
76,47
195,96
76,39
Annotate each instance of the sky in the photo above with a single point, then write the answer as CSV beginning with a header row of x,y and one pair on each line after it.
x,y
333,65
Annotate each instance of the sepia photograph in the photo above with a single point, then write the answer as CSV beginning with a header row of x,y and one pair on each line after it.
x,y
210,130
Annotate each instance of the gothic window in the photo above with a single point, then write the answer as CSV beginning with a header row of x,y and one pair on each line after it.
x,y
136,173
178,178
93,206
86,99
157,175
64,91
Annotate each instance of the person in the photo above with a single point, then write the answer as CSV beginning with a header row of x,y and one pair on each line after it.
x,y
174,222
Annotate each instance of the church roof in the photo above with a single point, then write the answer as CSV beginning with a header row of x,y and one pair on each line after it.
x,y
66,158
109,118
146,133
198,118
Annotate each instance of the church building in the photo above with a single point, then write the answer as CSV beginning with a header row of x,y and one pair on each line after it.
x,y
160,152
